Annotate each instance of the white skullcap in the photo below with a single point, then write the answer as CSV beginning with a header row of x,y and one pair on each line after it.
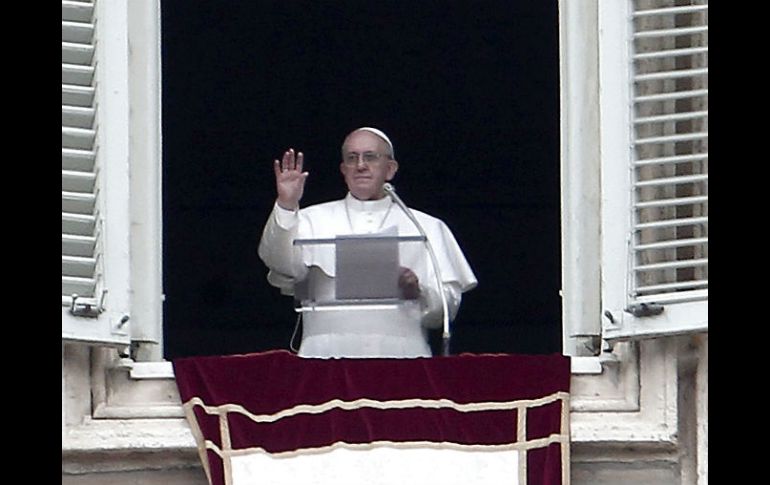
x,y
379,133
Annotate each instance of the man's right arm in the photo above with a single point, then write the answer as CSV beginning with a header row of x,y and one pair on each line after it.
x,y
278,252
276,246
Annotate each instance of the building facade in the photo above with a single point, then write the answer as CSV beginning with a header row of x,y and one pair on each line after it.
x,y
634,164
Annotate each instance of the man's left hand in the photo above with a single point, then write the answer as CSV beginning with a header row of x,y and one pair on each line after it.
x,y
409,284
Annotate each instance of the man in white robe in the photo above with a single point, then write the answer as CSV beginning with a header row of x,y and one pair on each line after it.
x,y
368,162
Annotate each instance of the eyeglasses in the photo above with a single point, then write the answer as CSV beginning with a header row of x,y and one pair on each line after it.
x,y
352,158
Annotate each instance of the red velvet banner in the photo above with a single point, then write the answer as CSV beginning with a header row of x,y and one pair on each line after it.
x,y
275,405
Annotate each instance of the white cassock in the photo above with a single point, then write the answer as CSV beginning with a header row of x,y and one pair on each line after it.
x,y
394,332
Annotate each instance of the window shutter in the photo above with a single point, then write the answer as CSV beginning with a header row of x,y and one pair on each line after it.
x,y
79,211
666,256
85,296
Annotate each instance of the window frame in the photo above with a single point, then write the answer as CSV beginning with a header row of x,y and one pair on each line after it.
x,y
146,169
591,186
580,180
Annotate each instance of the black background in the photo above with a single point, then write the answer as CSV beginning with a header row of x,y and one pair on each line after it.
x,y
466,90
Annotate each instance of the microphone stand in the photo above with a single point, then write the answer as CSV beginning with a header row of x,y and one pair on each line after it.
x,y
391,191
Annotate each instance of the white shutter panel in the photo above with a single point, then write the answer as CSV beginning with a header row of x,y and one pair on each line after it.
x,y
85,296
666,255
79,210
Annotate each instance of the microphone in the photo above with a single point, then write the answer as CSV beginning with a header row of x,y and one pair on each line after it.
x,y
391,191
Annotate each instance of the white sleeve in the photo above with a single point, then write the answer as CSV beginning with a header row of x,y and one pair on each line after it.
x,y
277,251
431,303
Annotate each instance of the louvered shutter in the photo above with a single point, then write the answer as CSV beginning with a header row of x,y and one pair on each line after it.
x,y
85,296
79,210
665,266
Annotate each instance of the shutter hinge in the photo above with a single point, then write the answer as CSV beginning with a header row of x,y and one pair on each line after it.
x,y
610,317
644,309
87,307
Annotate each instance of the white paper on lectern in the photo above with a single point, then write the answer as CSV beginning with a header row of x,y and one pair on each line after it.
x,y
366,266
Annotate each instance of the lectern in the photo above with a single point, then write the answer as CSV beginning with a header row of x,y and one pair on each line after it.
x,y
353,272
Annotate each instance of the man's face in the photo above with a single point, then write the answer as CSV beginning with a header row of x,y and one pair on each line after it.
x,y
366,178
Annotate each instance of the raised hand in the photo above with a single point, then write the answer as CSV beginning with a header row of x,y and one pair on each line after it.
x,y
289,179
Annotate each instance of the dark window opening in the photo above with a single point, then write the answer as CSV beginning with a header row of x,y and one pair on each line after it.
x,y
467,91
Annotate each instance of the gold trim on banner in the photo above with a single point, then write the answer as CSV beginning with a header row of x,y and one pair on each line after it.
x,y
375,404
437,445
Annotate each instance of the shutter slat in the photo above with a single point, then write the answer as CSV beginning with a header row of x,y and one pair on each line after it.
x,y
690,221
77,32
676,243
73,95
676,296
77,11
688,263
78,138
72,181
671,53
676,201
77,266
77,224
683,179
646,34
692,93
77,75
670,10
78,203
681,285
696,157
73,245
72,53
672,138
674,74
80,286
671,117
77,117
77,160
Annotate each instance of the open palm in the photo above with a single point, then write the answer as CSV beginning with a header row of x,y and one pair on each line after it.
x,y
289,179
